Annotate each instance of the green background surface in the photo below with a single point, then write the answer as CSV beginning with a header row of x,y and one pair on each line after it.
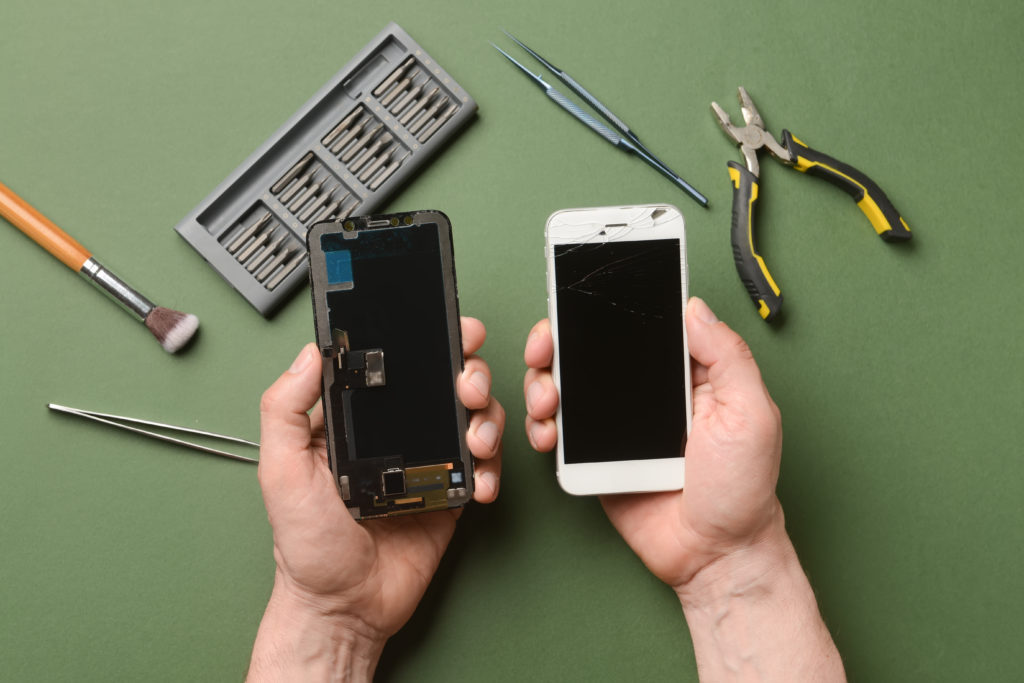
x,y
897,368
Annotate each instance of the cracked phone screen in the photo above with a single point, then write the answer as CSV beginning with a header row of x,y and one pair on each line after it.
x,y
620,348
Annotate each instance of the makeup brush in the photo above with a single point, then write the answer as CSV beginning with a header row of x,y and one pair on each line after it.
x,y
171,328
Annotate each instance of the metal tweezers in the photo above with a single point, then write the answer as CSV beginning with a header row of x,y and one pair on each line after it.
x,y
621,137
116,420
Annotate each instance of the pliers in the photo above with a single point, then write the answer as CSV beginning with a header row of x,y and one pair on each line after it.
x,y
869,196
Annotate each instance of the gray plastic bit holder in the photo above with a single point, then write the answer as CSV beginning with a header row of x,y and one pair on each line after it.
x,y
364,133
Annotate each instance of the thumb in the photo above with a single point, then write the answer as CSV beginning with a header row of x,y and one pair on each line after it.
x,y
728,361
284,423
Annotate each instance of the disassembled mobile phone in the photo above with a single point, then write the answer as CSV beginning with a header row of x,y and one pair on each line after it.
x,y
386,312
616,299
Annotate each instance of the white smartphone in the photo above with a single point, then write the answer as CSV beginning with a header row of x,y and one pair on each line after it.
x,y
617,291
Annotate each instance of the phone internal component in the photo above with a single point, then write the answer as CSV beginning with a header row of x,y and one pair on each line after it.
x,y
386,313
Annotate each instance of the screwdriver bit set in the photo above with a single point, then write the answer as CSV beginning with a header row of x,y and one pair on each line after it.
x,y
362,135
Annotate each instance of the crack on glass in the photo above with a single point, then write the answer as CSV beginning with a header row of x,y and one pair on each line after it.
x,y
619,281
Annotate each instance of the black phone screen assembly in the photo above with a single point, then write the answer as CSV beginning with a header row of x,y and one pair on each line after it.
x,y
620,332
386,313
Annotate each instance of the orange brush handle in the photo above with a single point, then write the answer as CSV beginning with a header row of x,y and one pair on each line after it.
x,y
37,226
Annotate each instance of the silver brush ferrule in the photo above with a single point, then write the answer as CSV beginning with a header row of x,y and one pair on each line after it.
x,y
116,289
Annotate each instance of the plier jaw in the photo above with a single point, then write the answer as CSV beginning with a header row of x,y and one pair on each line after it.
x,y
752,136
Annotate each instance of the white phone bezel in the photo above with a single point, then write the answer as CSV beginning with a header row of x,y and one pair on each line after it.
x,y
607,224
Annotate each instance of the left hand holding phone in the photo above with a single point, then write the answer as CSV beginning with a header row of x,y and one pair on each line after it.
x,y
721,543
736,443
341,587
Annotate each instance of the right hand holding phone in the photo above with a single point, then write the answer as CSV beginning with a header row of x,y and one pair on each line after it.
x,y
342,587
728,507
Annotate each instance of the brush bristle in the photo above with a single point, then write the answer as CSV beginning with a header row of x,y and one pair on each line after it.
x,y
173,329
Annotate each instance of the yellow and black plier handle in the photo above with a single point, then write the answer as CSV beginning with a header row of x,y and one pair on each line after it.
x,y
753,272
869,196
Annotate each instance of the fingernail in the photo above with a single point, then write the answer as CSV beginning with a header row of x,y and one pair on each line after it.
x,y
481,381
533,394
534,434
301,361
488,433
489,482
701,310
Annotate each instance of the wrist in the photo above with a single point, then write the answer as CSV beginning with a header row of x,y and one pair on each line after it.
x,y
746,568
302,638
753,616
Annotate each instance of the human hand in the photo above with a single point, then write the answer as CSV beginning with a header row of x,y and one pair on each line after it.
x,y
347,586
721,543
732,456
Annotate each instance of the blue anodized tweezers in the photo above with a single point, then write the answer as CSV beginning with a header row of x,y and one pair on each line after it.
x,y
629,143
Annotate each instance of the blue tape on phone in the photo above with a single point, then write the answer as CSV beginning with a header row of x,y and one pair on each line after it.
x,y
339,267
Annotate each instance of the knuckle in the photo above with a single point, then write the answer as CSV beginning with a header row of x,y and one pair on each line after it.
x,y
741,349
269,400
